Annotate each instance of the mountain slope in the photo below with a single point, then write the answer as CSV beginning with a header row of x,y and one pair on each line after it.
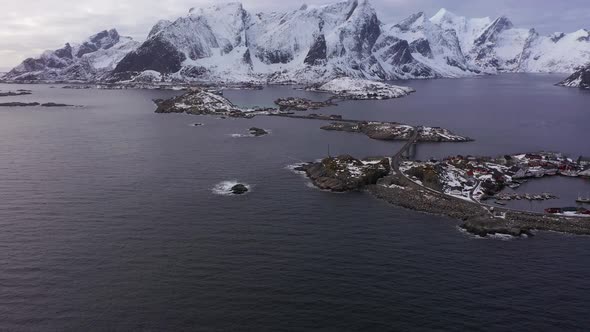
x,y
225,42
87,61
579,79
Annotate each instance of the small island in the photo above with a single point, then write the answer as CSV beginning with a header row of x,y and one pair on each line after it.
x,y
17,93
239,189
360,89
392,131
33,104
257,132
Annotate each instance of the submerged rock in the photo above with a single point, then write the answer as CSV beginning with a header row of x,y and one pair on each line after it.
x,y
239,189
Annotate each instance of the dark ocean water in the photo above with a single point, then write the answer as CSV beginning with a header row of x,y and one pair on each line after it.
x,y
108,219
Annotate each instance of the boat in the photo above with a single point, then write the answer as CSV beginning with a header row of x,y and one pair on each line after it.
x,y
553,210
500,203
585,200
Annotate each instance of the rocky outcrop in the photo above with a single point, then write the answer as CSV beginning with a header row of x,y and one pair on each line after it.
x,y
257,132
483,227
579,79
155,54
345,173
317,54
239,189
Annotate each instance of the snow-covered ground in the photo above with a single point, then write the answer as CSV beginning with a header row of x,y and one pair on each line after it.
x,y
347,87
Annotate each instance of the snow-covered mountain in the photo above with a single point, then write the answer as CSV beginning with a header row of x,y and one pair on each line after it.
x,y
86,61
579,79
225,42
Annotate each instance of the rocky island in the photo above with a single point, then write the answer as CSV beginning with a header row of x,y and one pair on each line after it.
x,y
257,132
345,173
579,79
14,94
360,89
391,131
208,101
19,104
239,189
301,104
199,102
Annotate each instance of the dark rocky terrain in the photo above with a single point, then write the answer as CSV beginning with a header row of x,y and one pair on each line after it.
x,y
579,79
345,173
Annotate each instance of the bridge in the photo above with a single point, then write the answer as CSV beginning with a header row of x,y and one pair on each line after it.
x,y
405,150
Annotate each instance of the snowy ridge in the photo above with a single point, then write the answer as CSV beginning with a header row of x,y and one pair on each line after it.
x,y
86,61
312,44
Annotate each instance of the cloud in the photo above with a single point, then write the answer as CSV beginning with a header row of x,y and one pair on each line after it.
x,y
29,26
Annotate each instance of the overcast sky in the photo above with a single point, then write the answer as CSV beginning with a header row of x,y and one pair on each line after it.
x,y
27,27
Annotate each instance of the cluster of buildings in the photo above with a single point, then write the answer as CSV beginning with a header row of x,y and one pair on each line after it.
x,y
478,178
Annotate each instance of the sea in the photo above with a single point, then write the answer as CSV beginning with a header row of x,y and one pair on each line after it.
x,y
115,218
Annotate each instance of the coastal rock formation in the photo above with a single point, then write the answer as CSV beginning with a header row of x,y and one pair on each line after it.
x,y
483,227
579,79
345,173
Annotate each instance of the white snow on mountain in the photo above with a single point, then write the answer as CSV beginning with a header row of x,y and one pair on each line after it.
x,y
86,61
467,30
225,42
561,53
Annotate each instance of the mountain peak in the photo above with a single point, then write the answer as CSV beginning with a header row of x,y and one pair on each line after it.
x,y
219,7
413,21
443,15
